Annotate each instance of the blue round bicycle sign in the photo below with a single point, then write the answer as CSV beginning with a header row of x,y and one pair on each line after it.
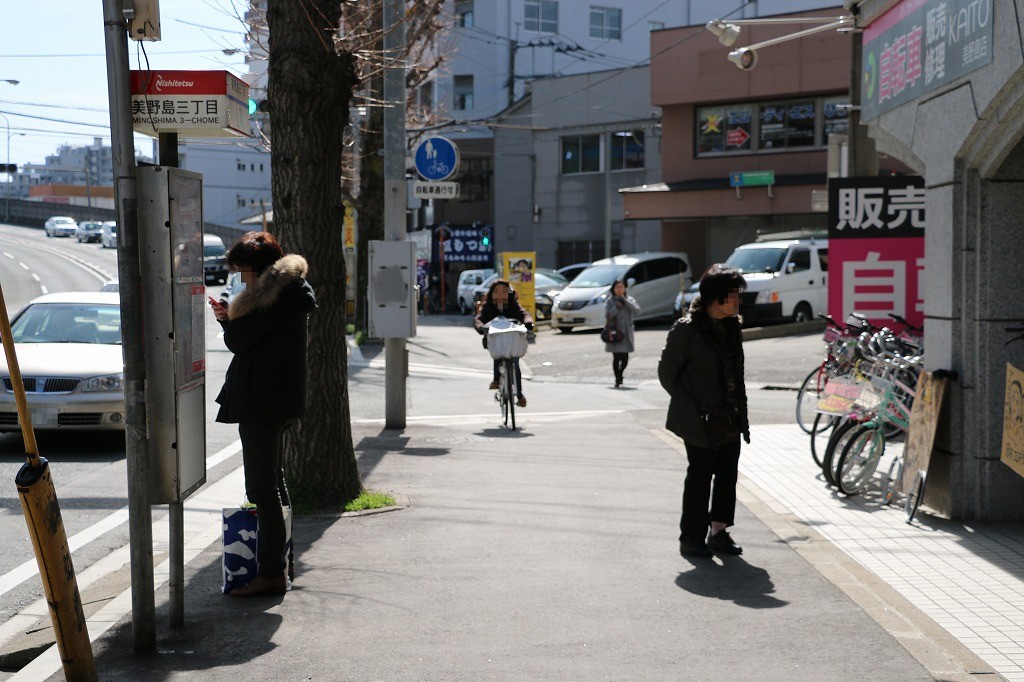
x,y
437,159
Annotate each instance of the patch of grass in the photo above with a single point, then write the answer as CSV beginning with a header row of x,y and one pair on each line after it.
x,y
350,329
360,338
370,499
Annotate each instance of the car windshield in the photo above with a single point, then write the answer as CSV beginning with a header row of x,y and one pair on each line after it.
x,y
63,221
112,226
756,260
214,250
550,279
68,323
599,276
91,226
542,282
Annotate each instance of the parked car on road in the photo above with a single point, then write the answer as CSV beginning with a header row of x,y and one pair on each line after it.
x,y
570,271
215,259
108,238
546,285
683,300
653,279
787,279
69,351
89,231
60,226
468,281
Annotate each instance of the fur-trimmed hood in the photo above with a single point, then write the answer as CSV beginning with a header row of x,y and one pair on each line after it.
x,y
286,272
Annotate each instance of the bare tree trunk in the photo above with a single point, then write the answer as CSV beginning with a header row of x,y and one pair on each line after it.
x,y
310,89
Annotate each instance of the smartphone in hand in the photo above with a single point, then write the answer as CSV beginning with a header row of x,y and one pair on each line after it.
x,y
214,303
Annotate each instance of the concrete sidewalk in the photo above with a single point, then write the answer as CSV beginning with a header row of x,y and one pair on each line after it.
x,y
550,553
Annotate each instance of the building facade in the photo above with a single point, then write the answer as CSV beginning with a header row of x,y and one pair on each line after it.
x,y
561,153
951,106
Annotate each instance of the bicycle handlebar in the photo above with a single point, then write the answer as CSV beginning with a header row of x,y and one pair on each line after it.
x,y
902,320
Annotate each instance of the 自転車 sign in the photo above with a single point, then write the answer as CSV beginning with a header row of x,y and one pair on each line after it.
x,y
436,159
435,190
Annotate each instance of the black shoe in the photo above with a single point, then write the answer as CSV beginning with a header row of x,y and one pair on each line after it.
x,y
723,544
695,548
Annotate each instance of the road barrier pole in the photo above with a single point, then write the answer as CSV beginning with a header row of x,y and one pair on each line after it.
x,y
46,528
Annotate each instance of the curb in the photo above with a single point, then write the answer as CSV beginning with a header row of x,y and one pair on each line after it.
x,y
781,330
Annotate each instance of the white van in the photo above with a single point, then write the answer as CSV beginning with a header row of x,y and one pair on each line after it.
x,y
652,278
108,237
468,281
787,279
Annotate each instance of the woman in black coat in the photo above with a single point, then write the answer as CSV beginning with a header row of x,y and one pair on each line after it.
x,y
501,300
265,385
701,367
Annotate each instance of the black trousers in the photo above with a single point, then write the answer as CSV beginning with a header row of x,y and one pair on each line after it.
x,y
705,464
264,486
619,362
519,375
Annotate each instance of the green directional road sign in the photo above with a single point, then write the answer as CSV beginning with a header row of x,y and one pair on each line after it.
x,y
752,178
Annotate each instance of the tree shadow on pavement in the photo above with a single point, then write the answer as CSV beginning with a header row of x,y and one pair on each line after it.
x,y
734,580
219,633
371,449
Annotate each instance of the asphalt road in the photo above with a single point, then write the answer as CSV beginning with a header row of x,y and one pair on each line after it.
x,y
90,472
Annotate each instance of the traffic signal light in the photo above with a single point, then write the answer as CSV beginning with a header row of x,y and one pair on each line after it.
x,y
252,106
8,168
485,237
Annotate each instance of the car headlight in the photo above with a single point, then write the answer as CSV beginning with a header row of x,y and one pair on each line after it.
x,y
598,299
767,296
110,382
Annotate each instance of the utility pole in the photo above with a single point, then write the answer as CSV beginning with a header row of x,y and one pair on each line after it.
x,y
513,45
394,193
122,147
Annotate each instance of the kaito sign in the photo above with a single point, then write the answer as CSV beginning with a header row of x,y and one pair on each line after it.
x,y
876,248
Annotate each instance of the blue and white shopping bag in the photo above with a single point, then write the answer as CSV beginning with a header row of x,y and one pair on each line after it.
x,y
241,536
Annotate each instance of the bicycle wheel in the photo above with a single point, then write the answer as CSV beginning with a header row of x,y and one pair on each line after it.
x,y
914,496
859,459
807,398
510,396
821,430
836,442
502,395
892,482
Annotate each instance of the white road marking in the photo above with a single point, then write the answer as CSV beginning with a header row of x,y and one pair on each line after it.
x,y
44,289
9,255
36,277
22,265
472,418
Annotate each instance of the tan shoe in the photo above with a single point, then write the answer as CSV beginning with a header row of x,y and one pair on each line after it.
x,y
521,402
493,386
262,586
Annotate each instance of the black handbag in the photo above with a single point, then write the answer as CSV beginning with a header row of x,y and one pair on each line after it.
x,y
721,424
611,334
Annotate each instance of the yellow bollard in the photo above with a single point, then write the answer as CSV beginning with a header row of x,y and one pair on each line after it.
x,y
49,540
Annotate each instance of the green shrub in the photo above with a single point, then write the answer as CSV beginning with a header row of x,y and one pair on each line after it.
x,y
370,499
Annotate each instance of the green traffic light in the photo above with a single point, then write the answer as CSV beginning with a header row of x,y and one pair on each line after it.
x,y
252,106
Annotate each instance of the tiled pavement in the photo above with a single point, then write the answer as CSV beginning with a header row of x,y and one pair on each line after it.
x,y
968,578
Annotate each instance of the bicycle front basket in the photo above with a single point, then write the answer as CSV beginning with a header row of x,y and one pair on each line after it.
x,y
507,343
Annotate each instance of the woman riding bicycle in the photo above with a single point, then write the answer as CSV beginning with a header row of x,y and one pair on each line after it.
x,y
501,300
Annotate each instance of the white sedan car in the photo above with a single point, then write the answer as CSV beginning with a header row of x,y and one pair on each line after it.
x,y
60,226
69,352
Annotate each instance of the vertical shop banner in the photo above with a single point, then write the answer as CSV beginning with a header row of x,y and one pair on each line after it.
x,y
920,45
876,248
518,267
1012,454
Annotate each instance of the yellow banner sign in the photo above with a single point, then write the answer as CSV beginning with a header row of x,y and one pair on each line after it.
x,y
1013,420
519,268
924,420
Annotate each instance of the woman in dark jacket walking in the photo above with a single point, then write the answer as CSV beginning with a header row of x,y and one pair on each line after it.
x,y
265,385
701,367
501,300
618,313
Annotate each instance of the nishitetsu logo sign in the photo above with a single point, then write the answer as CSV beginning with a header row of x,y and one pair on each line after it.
x,y
193,103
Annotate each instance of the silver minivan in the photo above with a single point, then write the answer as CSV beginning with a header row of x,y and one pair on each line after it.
x,y
652,278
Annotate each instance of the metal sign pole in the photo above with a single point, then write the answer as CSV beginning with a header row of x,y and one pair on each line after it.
x,y
122,143
46,527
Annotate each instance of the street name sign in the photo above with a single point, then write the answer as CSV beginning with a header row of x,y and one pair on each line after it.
x,y
751,178
193,103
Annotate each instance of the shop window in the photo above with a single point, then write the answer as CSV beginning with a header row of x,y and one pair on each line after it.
x,y
836,116
606,22
581,154
765,127
584,251
627,150
785,125
541,16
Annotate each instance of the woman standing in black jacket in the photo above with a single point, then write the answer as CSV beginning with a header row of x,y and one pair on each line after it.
x,y
701,367
265,385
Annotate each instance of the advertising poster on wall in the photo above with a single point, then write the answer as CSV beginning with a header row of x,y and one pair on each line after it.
x,y
876,248
518,267
1012,454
